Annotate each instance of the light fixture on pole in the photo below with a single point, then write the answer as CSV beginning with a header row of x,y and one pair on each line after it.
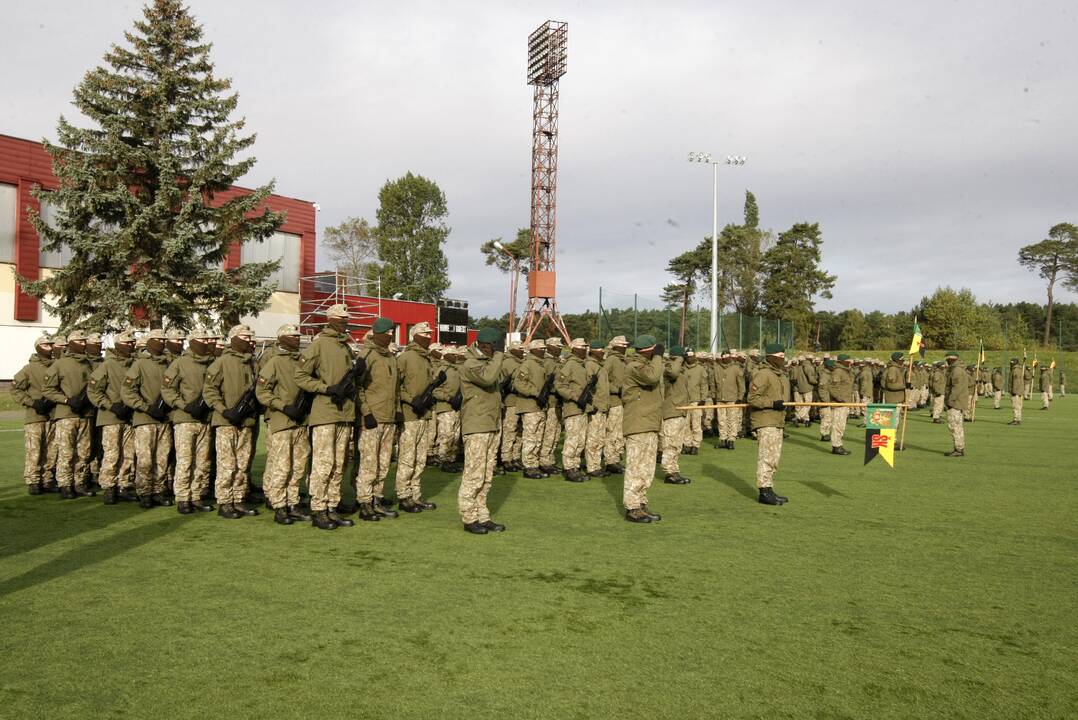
x,y
700,157
513,279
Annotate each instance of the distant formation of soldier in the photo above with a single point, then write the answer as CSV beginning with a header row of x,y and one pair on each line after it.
x,y
173,418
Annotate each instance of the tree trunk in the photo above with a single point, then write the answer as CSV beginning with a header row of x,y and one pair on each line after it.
x,y
1048,315
684,312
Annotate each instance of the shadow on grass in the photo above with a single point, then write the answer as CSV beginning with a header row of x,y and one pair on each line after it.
x,y
615,488
823,488
815,444
500,489
730,480
90,554
45,519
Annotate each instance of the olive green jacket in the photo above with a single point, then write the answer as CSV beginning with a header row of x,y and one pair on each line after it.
x,y
676,390
527,383
1016,380
28,386
823,388
183,383
142,386
551,365
227,379
864,384
731,382
799,376
615,373
696,381
510,363
768,385
600,401
325,362
997,379
447,390
378,389
642,395
893,382
66,378
479,383
569,383
958,387
276,387
1046,378
414,373
841,384
106,386
938,382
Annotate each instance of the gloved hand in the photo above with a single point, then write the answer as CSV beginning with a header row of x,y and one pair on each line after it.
x,y
369,422
441,376
417,407
158,414
398,417
660,350
293,413
233,417
778,405
42,406
338,392
193,408
118,409
702,403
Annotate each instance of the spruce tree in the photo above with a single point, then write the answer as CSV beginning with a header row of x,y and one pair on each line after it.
x,y
136,203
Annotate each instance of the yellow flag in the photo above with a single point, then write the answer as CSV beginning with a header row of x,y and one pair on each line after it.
x,y
1053,365
915,344
887,449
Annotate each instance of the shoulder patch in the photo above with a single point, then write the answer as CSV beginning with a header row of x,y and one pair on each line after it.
x,y
129,381
752,386
168,380
302,359
93,382
261,380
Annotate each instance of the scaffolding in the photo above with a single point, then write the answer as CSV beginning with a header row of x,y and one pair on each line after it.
x,y
318,292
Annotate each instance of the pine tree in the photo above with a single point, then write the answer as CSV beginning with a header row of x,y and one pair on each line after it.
x,y
411,232
136,203
793,276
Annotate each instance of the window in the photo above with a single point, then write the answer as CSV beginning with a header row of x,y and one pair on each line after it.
x,y
9,198
280,246
53,258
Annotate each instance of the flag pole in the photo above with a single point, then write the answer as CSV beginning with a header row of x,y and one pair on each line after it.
x,y
976,379
909,381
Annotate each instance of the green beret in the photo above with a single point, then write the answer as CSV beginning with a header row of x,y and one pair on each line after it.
x,y
829,362
953,353
597,345
774,348
643,342
843,357
383,325
488,335
896,355
677,351
1015,361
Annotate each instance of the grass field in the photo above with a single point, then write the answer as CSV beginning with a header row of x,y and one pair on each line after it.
x,y
943,588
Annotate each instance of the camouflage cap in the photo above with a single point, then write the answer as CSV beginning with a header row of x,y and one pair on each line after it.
x,y
239,330
553,341
154,334
451,350
288,329
176,334
435,347
200,335
382,325
337,311
43,340
422,328
618,341
578,344
537,345
76,335
59,340
93,338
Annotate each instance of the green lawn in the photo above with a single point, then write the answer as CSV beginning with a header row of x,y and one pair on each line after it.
x,y
944,588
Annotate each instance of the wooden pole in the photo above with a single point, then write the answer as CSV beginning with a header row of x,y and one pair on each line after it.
x,y
788,404
976,379
906,405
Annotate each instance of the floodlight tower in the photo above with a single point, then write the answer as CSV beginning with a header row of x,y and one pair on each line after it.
x,y
546,65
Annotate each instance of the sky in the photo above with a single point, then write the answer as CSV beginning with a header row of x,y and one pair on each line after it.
x,y
930,140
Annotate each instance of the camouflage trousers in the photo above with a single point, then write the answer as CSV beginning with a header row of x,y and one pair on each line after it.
x,y
838,425
694,428
411,460
937,407
448,436
118,456
856,411
825,421
997,396
1046,398
769,450
287,454
531,438
51,452
615,440
375,454
329,461
1029,390
233,446
673,434
710,416
595,442
191,442
729,419
551,434
955,424
640,449
511,443
801,413
35,444
576,434
72,451
968,411
153,442
1016,408
480,457
432,435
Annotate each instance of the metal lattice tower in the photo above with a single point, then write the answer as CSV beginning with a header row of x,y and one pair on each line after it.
x,y
546,64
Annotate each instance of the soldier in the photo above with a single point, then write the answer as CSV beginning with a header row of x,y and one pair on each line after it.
x,y
864,382
141,392
823,394
448,412
997,387
597,411
696,390
893,381
675,394
938,385
288,449
527,383
114,418
1027,381
959,389
59,348
480,421
511,449
804,379
65,384
379,403
416,392
768,393
229,388
840,391
93,356
1062,383
615,373
971,396
26,389
569,383
552,426
1017,372
642,396
181,390
327,369
730,382
1046,386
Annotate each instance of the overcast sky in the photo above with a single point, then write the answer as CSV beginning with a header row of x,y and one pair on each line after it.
x,y
930,140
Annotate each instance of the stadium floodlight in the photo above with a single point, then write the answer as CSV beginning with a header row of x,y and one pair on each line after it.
x,y
498,245
547,52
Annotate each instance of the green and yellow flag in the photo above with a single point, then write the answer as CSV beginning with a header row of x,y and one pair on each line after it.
x,y
980,356
917,345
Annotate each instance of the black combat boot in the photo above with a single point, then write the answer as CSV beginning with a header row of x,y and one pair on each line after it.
x,y
34,489
183,507
425,504
637,515
109,497
160,499
768,497
145,502
573,475
839,451
825,438
296,513
281,516
228,512
600,473
367,513
615,468
201,506
534,474
344,508
409,507
243,510
476,528
655,517
321,521
341,521
492,526
955,453
384,507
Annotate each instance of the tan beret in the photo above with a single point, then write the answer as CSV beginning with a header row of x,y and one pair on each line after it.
x,y
43,340
337,311
619,341
287,330
76,335
422,328
59,340
155,334
176,334
239,330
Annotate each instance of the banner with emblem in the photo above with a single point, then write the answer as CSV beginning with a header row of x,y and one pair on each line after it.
x,y
881,423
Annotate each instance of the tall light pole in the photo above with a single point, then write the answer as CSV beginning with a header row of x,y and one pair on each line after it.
x,y
513,279
730,160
